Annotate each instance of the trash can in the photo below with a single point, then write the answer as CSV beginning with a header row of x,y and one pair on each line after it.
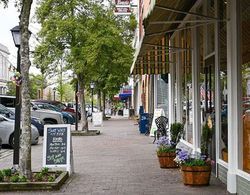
x,y
143,123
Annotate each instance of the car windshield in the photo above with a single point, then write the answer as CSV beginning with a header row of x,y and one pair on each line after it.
x,y
5,111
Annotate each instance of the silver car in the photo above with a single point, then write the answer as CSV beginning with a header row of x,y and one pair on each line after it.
x,y
7,127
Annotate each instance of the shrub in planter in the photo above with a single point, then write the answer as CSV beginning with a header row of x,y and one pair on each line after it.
x,y
196,169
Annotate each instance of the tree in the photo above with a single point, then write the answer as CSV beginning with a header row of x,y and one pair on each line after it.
x,y
25,139
11,88
85,37
37,82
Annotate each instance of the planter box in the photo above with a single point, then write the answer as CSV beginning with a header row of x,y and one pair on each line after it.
x,y
31,186
196,175
166,160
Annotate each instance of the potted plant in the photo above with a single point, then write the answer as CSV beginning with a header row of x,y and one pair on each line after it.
x,y
166,149
196,168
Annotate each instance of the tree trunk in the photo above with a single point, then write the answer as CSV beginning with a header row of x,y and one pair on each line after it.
x,y
83,121
99,97
103,103
25,139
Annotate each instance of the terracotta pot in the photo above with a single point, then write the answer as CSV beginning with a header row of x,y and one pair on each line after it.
x,y
166,160
196,175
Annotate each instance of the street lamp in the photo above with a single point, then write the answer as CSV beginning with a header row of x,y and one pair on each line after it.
x,y
17,41
54,93
92,86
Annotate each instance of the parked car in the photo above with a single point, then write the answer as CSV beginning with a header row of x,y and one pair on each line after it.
x,y
11,115
7,127
61,106
67,118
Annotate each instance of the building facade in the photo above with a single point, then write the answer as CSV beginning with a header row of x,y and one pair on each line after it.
x,y
200,49
4,69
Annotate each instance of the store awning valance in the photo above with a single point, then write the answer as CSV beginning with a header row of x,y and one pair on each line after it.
x,y
161,22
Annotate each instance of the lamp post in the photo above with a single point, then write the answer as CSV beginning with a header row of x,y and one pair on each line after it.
x,y
17,41
92,86
54,93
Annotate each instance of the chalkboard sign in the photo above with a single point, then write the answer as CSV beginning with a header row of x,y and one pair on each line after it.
x,y
56,148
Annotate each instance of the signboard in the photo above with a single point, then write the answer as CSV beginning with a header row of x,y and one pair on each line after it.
x,y
57,146
122,2
97,119
122,10
126,113
158,112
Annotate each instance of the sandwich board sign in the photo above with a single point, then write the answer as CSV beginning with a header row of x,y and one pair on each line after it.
x,y
157,112
97,119
57,147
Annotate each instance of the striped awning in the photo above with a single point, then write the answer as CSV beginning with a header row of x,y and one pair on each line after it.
x,y
152,56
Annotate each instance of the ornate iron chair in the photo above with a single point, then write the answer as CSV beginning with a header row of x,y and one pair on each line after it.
x,y
162,126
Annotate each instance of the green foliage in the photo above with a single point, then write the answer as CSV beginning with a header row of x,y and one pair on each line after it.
x,y
195,162
11,88
39,176
51,178
1,176
6,172
22,179
14,178
176,132
45,170
206,138
164,149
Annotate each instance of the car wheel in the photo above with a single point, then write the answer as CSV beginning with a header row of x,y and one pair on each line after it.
x,y
11,141
65,120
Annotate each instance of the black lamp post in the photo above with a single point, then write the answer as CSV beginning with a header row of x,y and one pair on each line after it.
x,y
54,93
17,41
92,86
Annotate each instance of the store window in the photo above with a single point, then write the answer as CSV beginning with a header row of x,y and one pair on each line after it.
x,y
187,86
245,70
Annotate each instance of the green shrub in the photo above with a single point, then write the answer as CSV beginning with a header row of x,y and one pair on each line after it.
x,y
51,178
176,132
39,176
1,176
22,179
45,170
6,172
14,178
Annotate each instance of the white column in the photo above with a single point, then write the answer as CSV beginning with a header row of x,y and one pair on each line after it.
x,y
171,85
234,91
196,88
179,107
217,86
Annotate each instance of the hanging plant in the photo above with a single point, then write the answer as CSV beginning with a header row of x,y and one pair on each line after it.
x,y
17,78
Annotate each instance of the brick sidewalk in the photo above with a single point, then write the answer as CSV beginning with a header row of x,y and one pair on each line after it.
x,y
119,161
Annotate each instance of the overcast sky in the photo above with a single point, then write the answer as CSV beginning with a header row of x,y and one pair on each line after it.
x,y
8,20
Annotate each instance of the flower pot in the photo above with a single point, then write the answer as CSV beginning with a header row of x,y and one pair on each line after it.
x,y
166,160
196,175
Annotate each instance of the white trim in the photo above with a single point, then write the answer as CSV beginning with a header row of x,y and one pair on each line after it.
x,y
68,155
196,120
243,174
217,104
222,163
187,143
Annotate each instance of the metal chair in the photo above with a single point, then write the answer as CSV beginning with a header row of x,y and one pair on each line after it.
x,y
162,126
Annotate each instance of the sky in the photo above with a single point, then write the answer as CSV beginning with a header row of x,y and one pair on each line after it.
x,y
8,20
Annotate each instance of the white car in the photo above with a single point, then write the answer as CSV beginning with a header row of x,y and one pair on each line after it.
x,y
7,127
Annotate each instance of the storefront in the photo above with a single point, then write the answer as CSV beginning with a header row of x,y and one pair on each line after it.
x,y
203,47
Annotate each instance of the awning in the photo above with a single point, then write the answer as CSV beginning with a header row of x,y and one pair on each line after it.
x,y
124,96
163,20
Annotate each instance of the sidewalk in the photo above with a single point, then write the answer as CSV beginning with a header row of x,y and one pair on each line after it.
x,y
119,161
